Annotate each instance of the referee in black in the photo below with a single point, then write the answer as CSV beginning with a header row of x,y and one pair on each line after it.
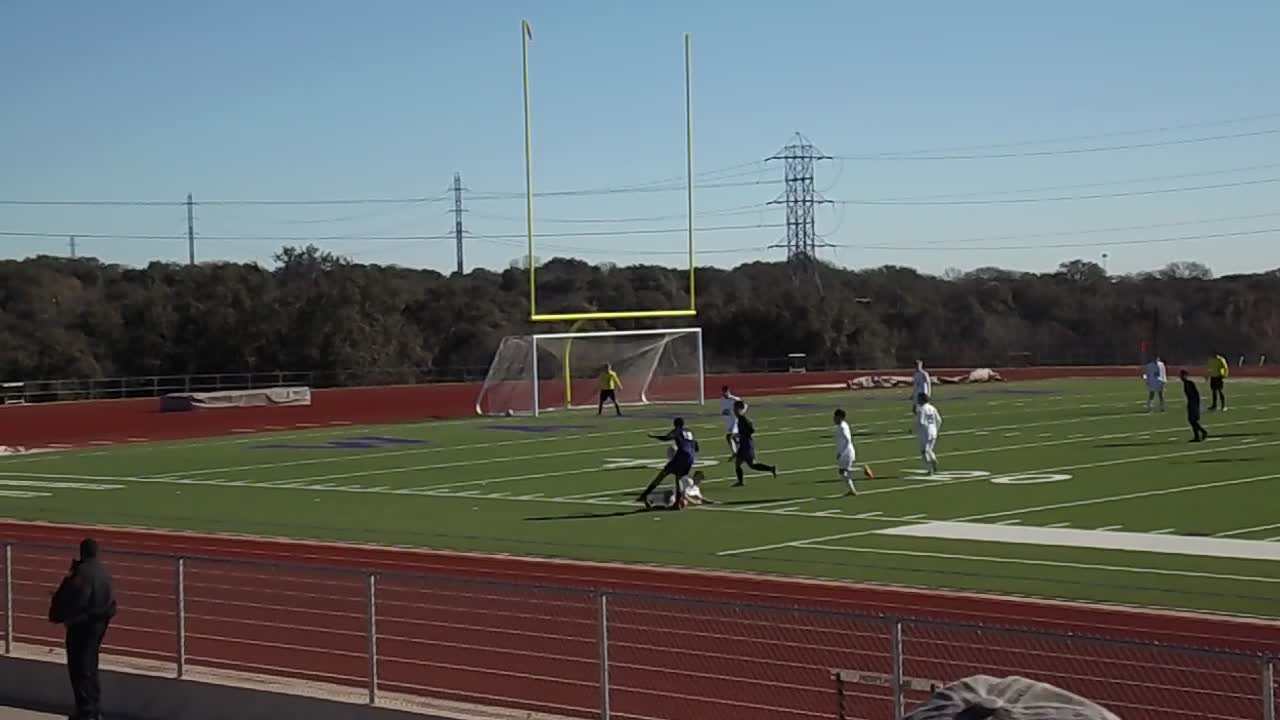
x,y
1198,433
85,604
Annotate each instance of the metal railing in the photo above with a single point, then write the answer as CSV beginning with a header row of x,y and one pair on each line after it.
x,y
583,654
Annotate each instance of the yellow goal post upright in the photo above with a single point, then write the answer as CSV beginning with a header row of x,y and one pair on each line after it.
x,y
526,34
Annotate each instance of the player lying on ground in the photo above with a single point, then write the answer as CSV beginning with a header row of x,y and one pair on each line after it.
x,y
845,453
681,462
689,490
727,400
746,453
928,423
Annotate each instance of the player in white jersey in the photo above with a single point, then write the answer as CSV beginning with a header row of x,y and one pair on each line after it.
x,y
1156,378
928,423
921,384
727,399
846,455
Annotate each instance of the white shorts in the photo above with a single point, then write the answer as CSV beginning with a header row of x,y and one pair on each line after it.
x,y
927,441
844,461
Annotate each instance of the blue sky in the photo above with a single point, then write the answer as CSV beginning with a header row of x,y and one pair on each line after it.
x,y
293,100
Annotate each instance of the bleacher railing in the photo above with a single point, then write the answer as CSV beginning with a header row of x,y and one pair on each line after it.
x,y
386,636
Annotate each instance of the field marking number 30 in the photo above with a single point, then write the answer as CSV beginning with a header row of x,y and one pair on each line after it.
x,y
1028,478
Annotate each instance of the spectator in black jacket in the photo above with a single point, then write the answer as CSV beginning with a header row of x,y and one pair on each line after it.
x,y
85,604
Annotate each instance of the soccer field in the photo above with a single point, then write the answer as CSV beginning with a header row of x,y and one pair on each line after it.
x,y
1061,489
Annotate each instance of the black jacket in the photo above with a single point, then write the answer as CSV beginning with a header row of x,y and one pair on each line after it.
x,y
85,595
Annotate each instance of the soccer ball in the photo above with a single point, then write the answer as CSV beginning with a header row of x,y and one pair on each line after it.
x,y
866,472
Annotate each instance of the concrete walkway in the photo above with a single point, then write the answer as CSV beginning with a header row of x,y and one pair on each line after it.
x,y
16,714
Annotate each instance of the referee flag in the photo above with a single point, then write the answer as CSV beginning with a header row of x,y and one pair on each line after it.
x,y
528,31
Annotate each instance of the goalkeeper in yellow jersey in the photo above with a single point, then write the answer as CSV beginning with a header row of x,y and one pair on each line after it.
x,y
610,384
1216,370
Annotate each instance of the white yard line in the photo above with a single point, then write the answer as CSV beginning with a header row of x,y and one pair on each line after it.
x,y
816,545
1242,531
653,445
1125,496
775,546
352,457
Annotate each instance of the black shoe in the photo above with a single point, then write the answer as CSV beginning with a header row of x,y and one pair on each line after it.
x,y
738,484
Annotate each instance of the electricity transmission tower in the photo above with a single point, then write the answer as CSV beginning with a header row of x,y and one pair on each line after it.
x,y
457,218
800,198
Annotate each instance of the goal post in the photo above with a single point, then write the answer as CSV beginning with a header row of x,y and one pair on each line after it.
x,y
533,374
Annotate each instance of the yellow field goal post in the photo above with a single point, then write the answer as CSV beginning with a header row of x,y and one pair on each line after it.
x,y
526,34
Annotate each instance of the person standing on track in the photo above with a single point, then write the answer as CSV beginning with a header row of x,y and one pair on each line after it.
x,y
85,603
1198,433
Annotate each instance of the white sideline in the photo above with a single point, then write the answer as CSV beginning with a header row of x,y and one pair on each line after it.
x,y
1100,539
1049,563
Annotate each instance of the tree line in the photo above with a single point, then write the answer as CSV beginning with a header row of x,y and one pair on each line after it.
x,y
315,311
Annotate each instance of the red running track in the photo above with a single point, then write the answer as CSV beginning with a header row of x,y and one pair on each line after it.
x,y
524,633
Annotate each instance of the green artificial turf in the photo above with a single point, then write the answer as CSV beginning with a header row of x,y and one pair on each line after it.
x,y
563,485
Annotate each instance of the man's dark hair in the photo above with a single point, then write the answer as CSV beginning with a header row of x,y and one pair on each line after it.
x,y
739,405
88,548
678,422
840,414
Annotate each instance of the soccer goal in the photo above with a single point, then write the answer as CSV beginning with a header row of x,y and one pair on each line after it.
x,y
532,374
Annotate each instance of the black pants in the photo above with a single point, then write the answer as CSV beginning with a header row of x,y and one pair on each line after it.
x,y
84,642
1215,389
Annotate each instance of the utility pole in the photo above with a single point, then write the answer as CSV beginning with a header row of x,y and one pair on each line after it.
x,y
457,218
191,231
71,243
800,198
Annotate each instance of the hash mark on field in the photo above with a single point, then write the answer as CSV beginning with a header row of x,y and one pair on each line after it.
x,y
1164,531
1012,434
1046,434
1242,531
1058,524
828,512
917,516
866,515
1105,528
785,510
1014,521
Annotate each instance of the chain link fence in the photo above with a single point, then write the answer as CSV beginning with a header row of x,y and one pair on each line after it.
x,y
573,653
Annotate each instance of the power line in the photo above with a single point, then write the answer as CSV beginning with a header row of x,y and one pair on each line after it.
x,y
736,210
637,231
1068,151
1063,198
1093,136
385,238
1099,230
1052,246
1102,183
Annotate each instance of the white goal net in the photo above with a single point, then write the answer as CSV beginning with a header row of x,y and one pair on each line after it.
x,y
532,374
